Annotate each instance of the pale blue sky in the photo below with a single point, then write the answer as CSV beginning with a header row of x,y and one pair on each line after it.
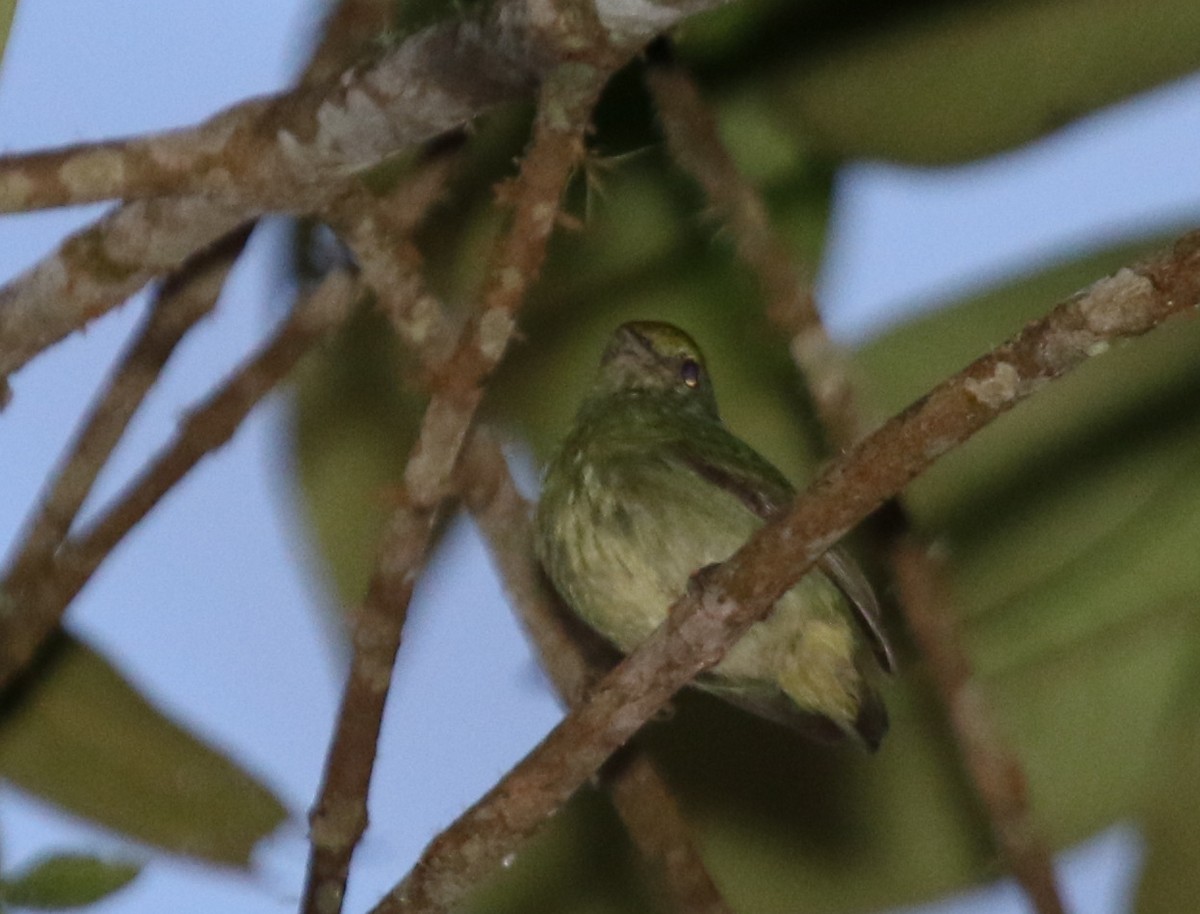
x,y
212,591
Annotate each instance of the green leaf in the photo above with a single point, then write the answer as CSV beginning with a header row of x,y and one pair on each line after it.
x,y
66,881
1170,824
930,82
78,734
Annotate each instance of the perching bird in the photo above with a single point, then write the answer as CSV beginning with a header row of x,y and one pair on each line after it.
x,y
650,487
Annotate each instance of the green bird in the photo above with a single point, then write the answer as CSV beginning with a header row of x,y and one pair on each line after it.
x,y
649,487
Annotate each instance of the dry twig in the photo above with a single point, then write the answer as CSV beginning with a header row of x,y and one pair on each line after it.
x,y
190,295
641,796
43,597
339,817
994,770
379,234
703,624
695,143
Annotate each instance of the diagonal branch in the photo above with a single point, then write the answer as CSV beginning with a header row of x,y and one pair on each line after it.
x,y
378,231
641,796
39,603
378,234
993,768
264,149
694,141
100,266
35,584
703,624
190,295
339,816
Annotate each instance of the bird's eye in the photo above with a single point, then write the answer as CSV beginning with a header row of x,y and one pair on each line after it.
x,y
689,373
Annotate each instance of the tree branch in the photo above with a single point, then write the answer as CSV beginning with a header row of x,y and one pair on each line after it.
x,y
694,142
378,232
339,817
994,770
191,294
37,605
285,149
703,624
639,793
263,150
100,266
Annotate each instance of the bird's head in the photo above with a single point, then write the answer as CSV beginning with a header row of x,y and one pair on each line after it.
x,y
653,357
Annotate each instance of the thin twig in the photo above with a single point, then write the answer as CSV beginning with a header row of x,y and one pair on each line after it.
x,y
378,231
339,816
35,611
641,796
716,611
695,143
993,768
180,304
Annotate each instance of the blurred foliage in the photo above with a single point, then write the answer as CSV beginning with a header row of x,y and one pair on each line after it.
x,y
354,415
933,81
1067,523
79,735
65,881
1171,823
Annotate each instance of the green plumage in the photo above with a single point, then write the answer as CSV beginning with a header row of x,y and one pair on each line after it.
x,y
649,487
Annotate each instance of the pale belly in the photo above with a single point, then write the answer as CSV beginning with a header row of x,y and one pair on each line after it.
x,y
633,563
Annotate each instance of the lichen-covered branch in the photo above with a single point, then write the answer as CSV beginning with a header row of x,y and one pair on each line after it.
x,y
263,150
703,624
339,817
36,608
993,768
378,232
100,266
284,151
641,796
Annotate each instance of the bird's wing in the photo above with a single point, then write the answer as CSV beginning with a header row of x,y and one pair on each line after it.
x,y
739,470
733,466
845,574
